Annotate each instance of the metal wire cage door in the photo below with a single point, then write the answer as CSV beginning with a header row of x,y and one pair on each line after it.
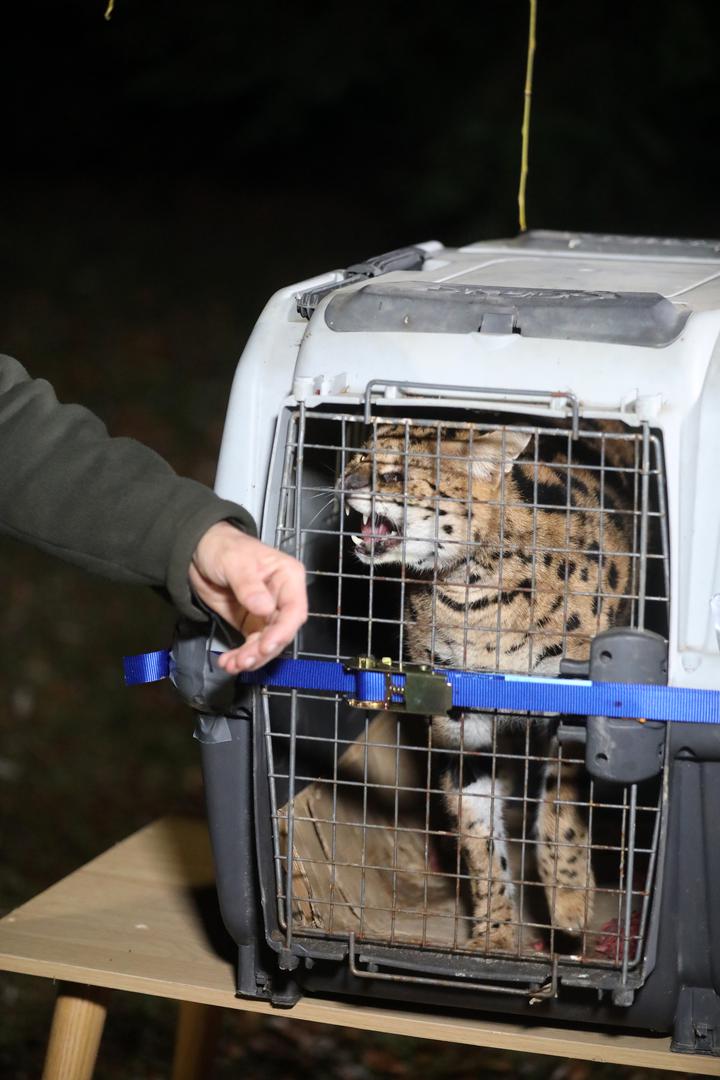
x,y
472,849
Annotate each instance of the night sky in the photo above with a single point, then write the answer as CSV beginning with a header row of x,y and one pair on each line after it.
x,y
411,110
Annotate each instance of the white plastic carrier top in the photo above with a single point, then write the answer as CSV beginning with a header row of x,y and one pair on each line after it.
x,y
627,326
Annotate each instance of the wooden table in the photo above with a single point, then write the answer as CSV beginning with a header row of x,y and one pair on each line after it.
x,y
132,919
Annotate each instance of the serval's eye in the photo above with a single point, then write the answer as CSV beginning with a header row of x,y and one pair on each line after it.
x,y
391,477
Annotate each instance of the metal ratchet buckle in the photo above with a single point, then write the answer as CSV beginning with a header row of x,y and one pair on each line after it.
x,y
424,691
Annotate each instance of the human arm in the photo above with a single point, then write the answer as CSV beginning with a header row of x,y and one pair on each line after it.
x,y
113,506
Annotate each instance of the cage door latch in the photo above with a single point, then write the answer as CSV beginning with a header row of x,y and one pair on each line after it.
x,y
408,688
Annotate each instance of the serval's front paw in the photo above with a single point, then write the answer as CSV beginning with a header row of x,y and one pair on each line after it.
x,y
571,909
494,937
569,883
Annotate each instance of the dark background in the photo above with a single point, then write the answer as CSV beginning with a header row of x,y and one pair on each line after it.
x,y
161,175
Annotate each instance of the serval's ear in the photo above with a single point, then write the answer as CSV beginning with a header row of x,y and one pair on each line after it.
x,y
497,452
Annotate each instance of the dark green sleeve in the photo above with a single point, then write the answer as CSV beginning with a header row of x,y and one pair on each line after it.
x,y
110,505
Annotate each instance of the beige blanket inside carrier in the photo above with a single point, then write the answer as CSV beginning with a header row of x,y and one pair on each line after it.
x,y
373,855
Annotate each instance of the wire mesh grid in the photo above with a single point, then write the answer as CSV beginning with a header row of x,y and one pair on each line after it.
x,y
485,546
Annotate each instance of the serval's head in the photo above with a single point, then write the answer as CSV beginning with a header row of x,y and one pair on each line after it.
x,y
427,496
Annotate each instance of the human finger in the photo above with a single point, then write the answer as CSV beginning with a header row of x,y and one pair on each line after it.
x,y
248,585
245,658
291,609
291,612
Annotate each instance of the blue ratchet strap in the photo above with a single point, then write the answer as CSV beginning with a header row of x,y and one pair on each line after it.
x,y
146,667
471,690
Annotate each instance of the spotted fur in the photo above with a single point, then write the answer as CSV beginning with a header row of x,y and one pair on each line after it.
x,y
515,553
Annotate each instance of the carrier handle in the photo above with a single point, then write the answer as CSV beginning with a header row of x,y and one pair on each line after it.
x,y
407,258
441,389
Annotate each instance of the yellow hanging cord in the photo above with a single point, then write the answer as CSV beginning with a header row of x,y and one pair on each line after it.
x,y
109,10
526,116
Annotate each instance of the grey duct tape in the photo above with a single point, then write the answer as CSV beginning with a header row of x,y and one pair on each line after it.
x,y
212,729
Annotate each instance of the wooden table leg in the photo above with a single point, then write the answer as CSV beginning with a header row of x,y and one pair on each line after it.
x,y
197,1031
77,1028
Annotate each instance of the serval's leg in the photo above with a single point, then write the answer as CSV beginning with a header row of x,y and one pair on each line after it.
x,y
563,845
474,803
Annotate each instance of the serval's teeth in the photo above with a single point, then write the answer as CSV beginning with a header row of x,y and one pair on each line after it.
x,y
357,540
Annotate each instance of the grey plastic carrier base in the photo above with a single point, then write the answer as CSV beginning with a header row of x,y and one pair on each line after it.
x,y
681,995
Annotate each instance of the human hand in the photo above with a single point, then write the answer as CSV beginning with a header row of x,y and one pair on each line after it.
x,y
258,590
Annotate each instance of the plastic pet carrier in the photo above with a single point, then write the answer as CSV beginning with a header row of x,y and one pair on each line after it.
x,y
487,775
